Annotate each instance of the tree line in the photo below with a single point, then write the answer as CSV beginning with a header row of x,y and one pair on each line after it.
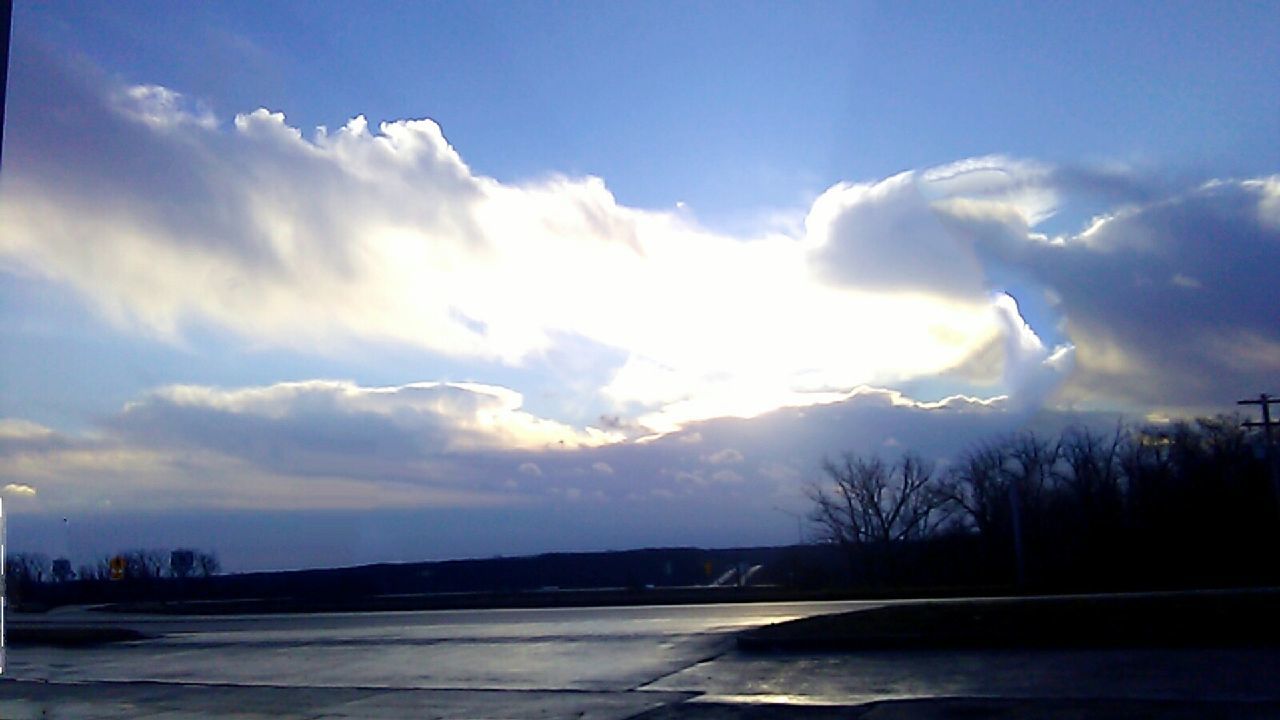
x,y
1189,503
140,564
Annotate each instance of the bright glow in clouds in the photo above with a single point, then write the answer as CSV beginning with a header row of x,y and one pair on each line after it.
x,y
348,235
179,280
170,219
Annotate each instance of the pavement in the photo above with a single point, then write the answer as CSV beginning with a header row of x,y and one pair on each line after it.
x,y
174,701
974,709
604,664
22,700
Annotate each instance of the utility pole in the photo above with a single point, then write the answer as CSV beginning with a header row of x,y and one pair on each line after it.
x,y
1265,401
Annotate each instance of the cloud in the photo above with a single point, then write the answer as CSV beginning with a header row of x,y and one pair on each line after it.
x,y
1031,371
19,429
161,108
327,444
423,434
18,435
1167,303
883,236
725,456
166,218
316,443
361,474
441,417
726,476
779,472
18,489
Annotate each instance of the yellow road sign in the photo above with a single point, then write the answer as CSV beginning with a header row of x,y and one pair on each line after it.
x,y
118,565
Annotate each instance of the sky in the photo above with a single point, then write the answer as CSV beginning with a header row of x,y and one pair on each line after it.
x,y
318,284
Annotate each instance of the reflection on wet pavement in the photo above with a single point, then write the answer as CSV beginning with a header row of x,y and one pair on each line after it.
x,y
604,663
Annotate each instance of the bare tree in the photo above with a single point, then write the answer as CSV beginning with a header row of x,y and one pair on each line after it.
x,y
1094,472
993,478
1030,466
868,504
145,564
207,565
26,568
61,570
1182,502
182,562
1005,487
99,570
978,487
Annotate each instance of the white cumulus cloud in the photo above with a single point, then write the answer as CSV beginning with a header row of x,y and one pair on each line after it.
x,y
170,218
313,240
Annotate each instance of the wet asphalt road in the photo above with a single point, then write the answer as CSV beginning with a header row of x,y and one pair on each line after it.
x,y
572,663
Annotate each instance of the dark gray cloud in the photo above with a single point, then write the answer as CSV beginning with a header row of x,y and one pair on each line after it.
x,y
428,434
1170,303
663,492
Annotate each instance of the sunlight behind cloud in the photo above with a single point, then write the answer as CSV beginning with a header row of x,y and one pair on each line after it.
x,y
387,235
323,242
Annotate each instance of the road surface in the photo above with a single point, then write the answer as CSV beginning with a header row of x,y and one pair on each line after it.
x,y
605,663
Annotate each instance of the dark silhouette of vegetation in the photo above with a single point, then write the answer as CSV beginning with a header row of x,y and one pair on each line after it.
x,y
153,564
620,577
32,581
22,570
869,504
1184,504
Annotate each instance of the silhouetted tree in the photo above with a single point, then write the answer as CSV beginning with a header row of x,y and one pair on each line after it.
x,y
98,570
23,573
182,562
867,504
978,486
143,564
1076,528
61,570
1186,501
1094,473
207,565
25,568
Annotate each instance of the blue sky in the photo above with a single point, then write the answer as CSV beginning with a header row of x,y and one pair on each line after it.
x,y
626,228
683,101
